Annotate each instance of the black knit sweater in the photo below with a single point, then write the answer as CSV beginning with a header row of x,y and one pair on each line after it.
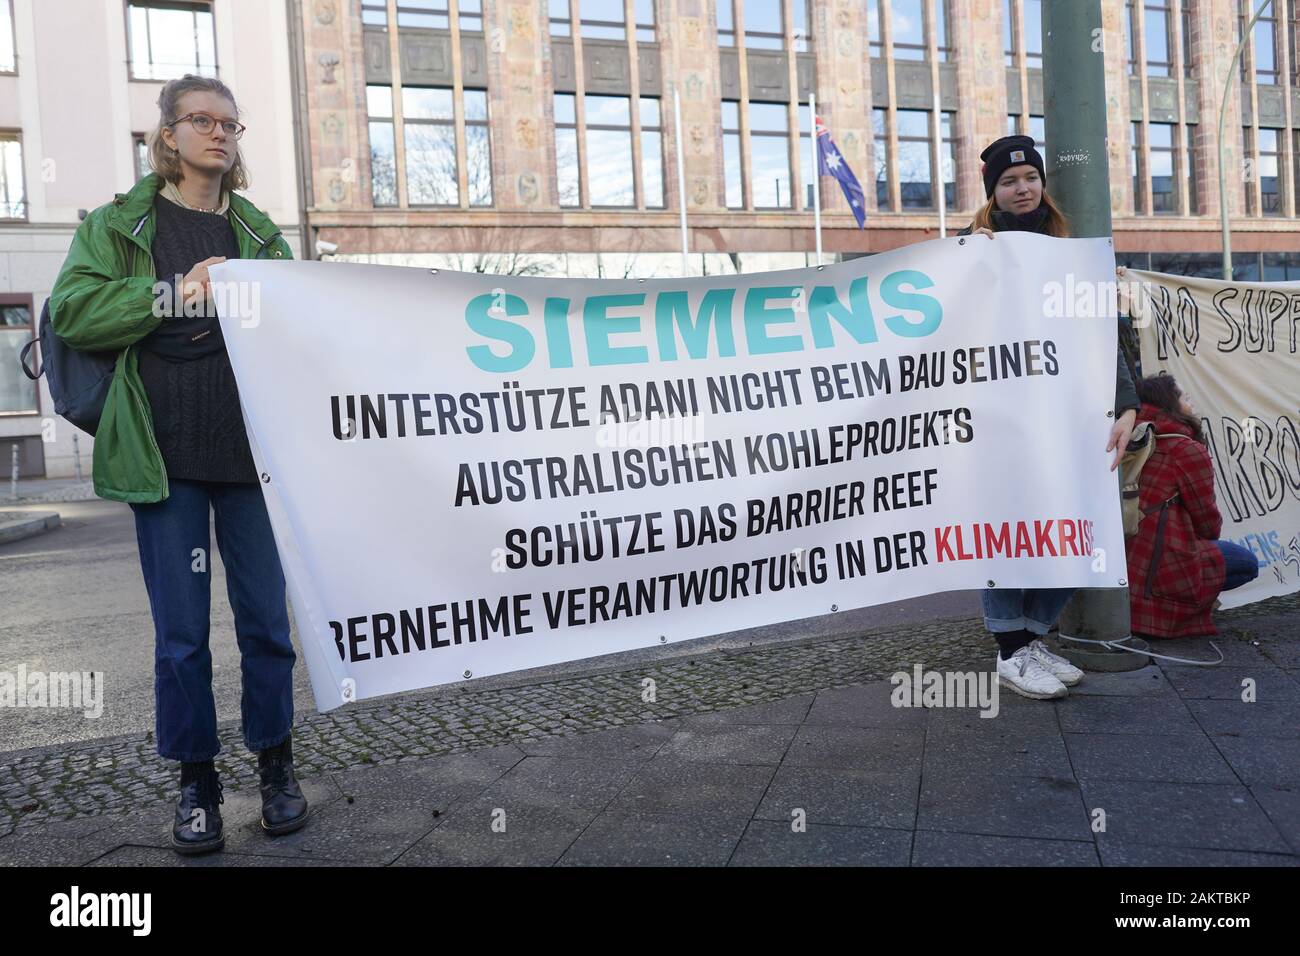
x,y
194,401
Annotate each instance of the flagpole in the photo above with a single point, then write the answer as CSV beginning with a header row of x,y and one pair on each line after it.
x,y
816,178
681,181
938,166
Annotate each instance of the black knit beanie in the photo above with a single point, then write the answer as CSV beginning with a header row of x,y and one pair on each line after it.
x,y
1006,152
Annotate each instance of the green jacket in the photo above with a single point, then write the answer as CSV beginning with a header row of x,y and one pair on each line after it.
x,y
103,301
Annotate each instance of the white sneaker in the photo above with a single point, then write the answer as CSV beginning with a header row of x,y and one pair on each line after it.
x,y
1026,675
1061,669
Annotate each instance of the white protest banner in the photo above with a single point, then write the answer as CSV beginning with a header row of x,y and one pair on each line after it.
x,y
1231,346
472,474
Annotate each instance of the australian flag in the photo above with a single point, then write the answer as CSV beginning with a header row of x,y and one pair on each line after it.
x,y
830,162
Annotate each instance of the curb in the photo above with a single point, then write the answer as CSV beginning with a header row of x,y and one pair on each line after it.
x,y
16,525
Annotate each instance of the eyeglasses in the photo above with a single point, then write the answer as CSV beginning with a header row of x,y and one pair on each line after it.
x,y
204,124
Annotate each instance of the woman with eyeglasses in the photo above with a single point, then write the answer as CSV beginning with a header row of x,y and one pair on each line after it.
x,y
171,442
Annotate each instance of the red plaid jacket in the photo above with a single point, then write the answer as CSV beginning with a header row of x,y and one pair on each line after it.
x,y
1174,598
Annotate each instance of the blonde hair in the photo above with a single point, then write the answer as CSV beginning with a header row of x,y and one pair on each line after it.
x,y
164,160
1057,223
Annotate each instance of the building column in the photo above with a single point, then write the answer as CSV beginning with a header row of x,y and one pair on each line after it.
x,y
843,80
977,32
520,93
689,46
1119,110
1214,40
339,139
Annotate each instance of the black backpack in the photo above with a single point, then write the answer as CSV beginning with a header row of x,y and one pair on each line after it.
x,y
78,381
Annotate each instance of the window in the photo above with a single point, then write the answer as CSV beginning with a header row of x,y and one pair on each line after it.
x,y
1293,37
8,58
170,39
609,150
17,391
873,27
140,153
763,27
1281,266
726,24
478,147
769,155
1038,130
1033,16
1137,170
1263,41
907,24
1160,143
652,153
1267,164
1189,171
1185,34
1156,23
948,159
914,174
13,196
471,16
940,13
807,158
566,148
374,13
731,151
426,14
429,125
1251,167
1130,38
1009,31
879,127
383,163
559,12
602,20
645,21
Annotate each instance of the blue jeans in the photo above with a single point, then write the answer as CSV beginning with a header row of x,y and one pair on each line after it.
x,y
179,584
1033,609
1241,566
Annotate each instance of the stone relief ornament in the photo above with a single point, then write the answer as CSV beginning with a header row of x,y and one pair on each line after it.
x,y
694,86
521,23
700,192
690,32
328,62
527,187
526,132
338,191
324,12
844,43
332,126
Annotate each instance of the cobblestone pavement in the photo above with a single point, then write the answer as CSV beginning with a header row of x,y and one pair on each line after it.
x,y
53,798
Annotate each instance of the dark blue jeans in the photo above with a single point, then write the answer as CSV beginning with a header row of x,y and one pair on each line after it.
x,y
1241,566
178,578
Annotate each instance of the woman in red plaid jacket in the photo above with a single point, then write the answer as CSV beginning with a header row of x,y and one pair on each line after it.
x,y
1176,563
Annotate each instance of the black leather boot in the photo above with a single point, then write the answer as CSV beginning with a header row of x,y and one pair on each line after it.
x,y
284,808
197,827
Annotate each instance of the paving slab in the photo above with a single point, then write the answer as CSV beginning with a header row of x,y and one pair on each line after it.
x,y
1184,758
858,798
1202,815
673,785
965,849
634,838
1003,805
888,750
767,843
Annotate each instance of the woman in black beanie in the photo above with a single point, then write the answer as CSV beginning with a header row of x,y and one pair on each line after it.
x,y
1015,184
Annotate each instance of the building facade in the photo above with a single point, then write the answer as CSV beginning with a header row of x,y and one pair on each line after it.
x,y
493,129
79,84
